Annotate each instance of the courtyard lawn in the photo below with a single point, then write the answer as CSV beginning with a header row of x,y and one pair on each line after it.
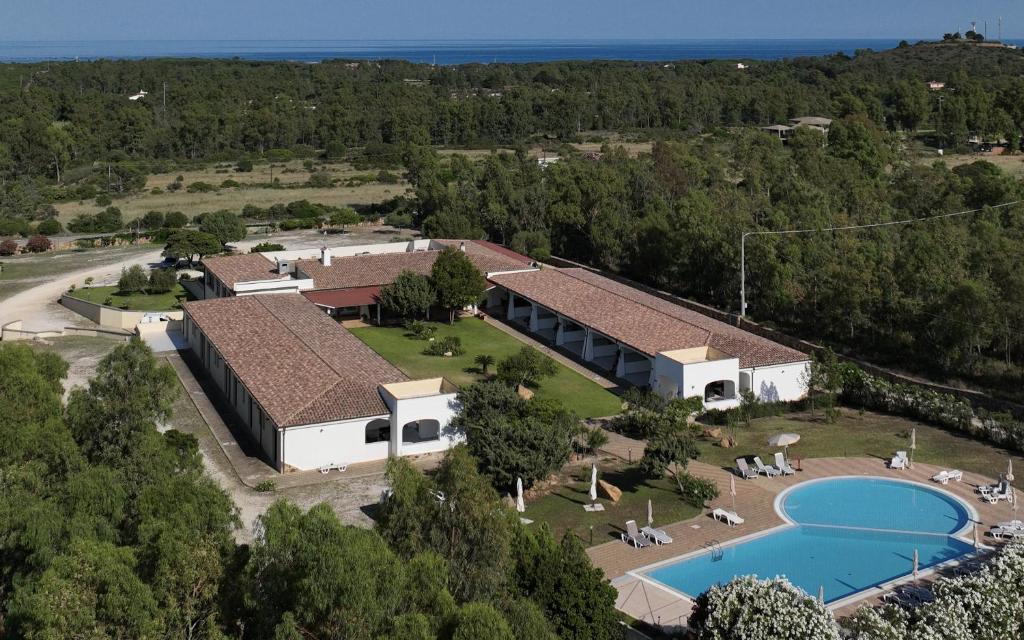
x,y
136,301
862,435
585,397
562,510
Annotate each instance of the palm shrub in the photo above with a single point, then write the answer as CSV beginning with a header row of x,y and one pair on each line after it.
x,y
484,361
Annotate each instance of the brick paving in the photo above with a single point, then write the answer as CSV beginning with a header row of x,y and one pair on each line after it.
x,y
754,502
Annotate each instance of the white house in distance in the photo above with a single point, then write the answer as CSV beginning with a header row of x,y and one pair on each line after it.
x,y
646,340
309,392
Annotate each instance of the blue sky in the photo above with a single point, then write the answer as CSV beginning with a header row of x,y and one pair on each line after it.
x,y
497,19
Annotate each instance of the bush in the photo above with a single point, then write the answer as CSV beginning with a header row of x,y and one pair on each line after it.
x,y
761,609
526,367
697,491
133,280
8,247
38,244
152,220
398,220
445,345
266,486
298,223
244,165
223,225
421,330
103,200
201,187
49,227
162,280
754,410
386,177
320,180
264,247
229,183
175,220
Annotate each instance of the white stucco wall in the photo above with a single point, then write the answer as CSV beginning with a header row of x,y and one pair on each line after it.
x,y
441,407
673,379
317,445
779,382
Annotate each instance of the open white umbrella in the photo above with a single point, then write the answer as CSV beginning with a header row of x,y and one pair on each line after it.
x,y
650,513
593,483
520,503
784,440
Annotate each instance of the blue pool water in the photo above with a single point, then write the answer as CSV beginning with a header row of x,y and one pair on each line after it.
x,y
850,534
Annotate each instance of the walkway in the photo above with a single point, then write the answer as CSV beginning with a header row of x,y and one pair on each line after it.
x,y
554,354
754,501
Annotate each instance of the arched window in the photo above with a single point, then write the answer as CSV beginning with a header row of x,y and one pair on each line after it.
x,y
378,430
719,390
421,431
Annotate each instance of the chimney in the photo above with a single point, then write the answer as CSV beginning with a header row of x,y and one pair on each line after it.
x,y
462,247
325,256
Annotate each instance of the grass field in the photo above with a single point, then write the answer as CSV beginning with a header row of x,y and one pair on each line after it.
x,y
234,198
578,393
136,301
868,434
562,509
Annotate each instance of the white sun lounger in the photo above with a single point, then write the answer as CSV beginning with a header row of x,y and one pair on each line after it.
x,y
767,470
744,471
899,461
1012,524
657,536
782,465
996,496
1001,533
728,517
943,477
633,536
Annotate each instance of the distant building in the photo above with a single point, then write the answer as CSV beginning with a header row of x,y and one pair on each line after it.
x,y
935,85
138,96
741,66
546,161
814,122
781,131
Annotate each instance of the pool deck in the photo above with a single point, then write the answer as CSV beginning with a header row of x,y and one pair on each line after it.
x,y
755,504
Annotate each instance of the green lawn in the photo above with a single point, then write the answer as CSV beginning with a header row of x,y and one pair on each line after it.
x,y
134,302
867,434
583,396
562,509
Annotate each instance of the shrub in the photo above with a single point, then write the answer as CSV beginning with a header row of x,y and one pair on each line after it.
x,y
266,486
201,187
152,220
526,367
229,183
484,362
103,200
320,179
445,345
264,247
298,223
398,220
175,220
162,280
8,247
697,491
244,165
386,177
49,227
421,330
38,244
133,279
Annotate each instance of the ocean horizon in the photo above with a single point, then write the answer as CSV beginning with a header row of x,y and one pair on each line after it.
x,y
445,52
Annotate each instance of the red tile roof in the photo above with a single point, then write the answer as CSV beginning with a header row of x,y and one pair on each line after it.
x,y
301,366
642,321
335,298
379,269
241,268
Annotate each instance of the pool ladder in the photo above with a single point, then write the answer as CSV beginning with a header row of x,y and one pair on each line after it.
x,y
716,550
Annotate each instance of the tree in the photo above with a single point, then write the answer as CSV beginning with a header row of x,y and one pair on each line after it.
x,y
8,247
457,281
345,216
527,366
175,220
484,361
761,610
223,225
191,245
152,220
162,280
536,244
133,279
410,295
671,447
38,244
50,227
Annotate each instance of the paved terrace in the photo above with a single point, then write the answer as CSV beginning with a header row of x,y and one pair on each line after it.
x,y
754,502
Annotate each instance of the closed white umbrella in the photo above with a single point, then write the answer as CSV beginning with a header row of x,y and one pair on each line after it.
x,y
520,503
975,529
821,594
1009,469
913,445
784,440
732,491
916,560
593,483
650,513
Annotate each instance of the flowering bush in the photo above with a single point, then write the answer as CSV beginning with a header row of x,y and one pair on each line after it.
x,y
754,609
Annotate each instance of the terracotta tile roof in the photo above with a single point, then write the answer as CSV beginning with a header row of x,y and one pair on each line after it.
x,y
644,322
379,269
241,268
301,366
335,298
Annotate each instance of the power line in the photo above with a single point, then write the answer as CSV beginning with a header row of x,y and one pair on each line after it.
x,y
874,225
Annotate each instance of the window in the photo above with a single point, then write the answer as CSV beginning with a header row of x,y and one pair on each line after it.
x,y
378,430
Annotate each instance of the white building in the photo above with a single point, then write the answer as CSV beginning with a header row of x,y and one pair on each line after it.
x,y
310,393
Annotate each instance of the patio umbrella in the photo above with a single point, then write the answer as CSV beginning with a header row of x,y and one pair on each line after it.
x,y
975,530
784,440
1009,469
913,445
732,491
520,503
650,513
593,483
916,560
821,594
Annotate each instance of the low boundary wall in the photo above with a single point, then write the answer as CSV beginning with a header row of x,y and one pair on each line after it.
x,y
111,317
12,332
976,398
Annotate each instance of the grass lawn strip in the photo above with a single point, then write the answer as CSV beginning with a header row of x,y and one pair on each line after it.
x,y
576,392
136,301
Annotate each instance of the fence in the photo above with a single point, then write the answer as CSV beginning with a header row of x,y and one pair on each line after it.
x,y
976,398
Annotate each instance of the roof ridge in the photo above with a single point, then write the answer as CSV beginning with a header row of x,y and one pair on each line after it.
x,y
709,332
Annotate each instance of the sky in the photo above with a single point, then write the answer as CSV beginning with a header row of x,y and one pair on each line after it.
x,y
498,19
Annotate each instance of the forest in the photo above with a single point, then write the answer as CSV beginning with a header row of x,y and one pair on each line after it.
x,y
944,296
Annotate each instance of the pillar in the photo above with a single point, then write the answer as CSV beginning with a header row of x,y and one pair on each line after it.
x,y
533,317
510,314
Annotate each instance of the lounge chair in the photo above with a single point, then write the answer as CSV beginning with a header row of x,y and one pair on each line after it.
x,y
996,496
943,477
657,536
728,517
1012,524
767,470
899,461
743,470
782,465
633,536
1001,533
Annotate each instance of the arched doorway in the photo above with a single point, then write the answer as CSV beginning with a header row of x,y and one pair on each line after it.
x,y
719,390
421,431
378,430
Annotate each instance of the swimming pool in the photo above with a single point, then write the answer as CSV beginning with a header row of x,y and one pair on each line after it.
x,y
845,535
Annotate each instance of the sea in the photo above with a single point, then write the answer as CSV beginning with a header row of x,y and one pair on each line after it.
x,y
442,52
